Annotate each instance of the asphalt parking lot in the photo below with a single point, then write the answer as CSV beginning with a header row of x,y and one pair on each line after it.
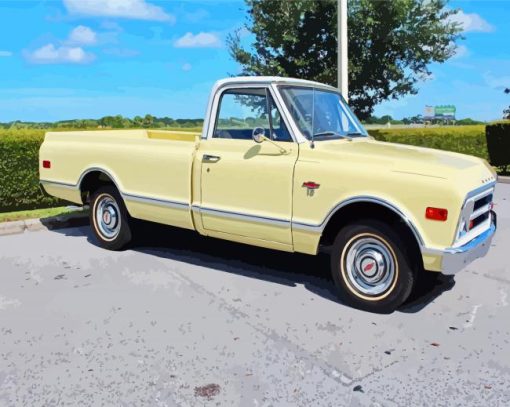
x,y
184,321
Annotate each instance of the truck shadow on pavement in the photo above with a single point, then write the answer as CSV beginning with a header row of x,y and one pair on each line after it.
x,y
273,266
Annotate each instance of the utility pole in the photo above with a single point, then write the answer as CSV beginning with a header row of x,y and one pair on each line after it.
x,y
343,84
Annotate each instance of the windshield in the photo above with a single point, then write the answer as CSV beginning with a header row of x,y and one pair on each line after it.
x,y
321,114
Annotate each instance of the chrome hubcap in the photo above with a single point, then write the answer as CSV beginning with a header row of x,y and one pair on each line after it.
x,y
370,266
107,217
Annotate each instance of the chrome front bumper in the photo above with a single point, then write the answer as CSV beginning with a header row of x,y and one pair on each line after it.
x,y
454,259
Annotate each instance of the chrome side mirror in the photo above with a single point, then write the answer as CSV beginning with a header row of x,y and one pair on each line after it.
x,y
258,135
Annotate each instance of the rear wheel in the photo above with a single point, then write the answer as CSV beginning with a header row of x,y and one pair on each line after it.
x,y
372,266
109,218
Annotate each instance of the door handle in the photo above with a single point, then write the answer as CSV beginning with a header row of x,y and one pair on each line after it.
x,y
211,158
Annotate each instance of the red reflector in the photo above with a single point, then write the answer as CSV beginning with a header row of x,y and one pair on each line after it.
x,y
436,214
471,224
46,164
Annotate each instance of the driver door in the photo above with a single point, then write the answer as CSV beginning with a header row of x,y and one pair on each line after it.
x,y
246,187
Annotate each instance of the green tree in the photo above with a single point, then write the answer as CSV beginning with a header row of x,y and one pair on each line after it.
x,y
114,122
385,119
138,121
467,122
148,120
391,44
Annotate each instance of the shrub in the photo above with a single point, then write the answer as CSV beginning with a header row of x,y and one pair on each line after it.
x,y
461,139
498,144
19,171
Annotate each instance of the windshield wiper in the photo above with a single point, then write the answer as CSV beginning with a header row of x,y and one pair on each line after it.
x,y
356,134
335,134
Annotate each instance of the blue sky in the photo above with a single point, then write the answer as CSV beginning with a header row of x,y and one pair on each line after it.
x,y
64,59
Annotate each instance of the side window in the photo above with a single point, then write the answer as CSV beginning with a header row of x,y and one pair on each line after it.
x,y
242,110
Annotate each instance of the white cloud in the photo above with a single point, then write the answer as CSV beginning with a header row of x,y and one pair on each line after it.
x,y
461,51
5,54
82,35
200,40
69,51
186,67
134,9
472,22
50,54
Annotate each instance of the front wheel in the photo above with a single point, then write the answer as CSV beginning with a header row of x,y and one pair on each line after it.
x,y
109,218
372,266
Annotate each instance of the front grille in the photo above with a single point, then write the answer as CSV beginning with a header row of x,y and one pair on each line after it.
x,y
482,201
475,216
478,220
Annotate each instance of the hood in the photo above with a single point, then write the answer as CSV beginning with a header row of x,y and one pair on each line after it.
x,y
404,158
465,169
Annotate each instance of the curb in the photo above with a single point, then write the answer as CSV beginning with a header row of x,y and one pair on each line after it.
x,y
504,179
55,222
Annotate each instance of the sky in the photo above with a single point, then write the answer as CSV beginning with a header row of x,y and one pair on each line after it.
x,y
67,59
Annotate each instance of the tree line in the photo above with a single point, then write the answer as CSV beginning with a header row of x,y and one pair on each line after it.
x,y
149,121
418,119
109,122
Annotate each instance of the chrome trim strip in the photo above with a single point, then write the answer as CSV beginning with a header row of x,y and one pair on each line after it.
x,y
59,183
125,195
319,228
156,201
244,217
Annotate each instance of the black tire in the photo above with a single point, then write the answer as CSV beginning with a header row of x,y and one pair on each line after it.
x,y
107,201
359,248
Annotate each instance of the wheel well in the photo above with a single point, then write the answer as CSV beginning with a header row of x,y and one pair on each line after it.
x,y
362,210
91,182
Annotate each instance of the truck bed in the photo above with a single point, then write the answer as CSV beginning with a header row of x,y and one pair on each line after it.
x,y
151,168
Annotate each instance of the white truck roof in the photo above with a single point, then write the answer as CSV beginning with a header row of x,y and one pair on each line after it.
x,y
268,80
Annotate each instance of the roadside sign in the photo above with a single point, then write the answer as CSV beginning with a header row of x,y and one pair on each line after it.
x,y
445,112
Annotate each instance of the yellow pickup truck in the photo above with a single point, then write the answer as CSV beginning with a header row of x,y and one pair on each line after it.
x,y
285,164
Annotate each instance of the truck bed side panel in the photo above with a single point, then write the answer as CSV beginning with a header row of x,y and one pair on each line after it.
x,y
152,172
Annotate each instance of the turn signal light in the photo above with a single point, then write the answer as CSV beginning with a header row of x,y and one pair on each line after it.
x,y
46,164
440,214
